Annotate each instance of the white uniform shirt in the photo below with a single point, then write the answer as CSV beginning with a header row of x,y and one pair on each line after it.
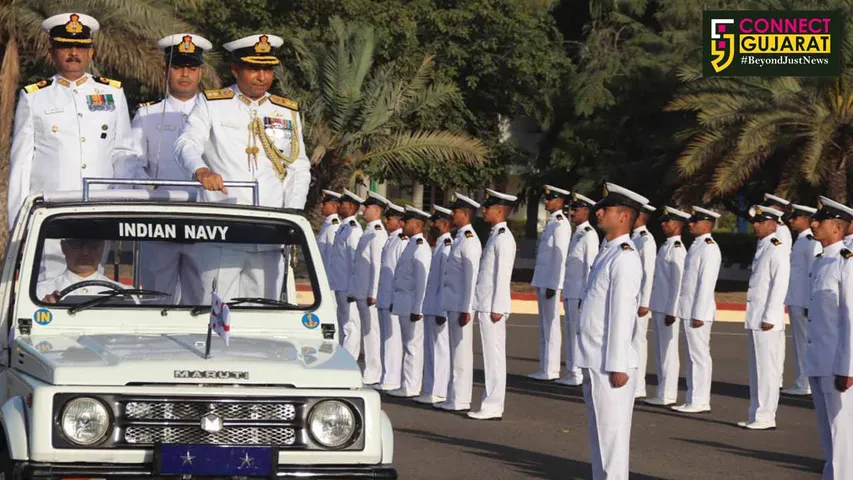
x,y
609,309
848,241
803,255
828,343
844,354
669,268
326,239
582,252
390,256
492,294
550,268
217,136
460,272
68,278
342,254
768,284
410,277
65,131
783,234
367,259
646,248
701,269
432,299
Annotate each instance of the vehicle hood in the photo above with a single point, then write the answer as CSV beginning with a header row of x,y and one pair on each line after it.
x,y
111,359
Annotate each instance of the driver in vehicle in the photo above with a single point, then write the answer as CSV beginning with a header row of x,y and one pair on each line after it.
x,y
82,263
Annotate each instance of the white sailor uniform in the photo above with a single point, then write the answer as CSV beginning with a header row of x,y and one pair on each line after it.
x,y
803,255
389,324
436,337
669,268
583,249
410,283
646,248
341,261
364,284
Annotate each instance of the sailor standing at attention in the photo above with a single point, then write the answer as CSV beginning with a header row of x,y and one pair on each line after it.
x,y
646,248
547,279
341,264
329,205
389,324
608,316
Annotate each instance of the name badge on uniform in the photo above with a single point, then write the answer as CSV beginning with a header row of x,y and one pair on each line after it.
x,y
103,103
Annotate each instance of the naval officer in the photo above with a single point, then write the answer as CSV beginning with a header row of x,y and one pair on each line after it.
x,y
765,318
607,321
783,233
436,337
803,254
330,202
389,324
697,308
829,362
547,279
646,248
583,249
669,268
341,260
364,284
457,299
67,127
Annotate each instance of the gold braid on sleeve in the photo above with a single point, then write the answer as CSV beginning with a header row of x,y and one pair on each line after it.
x,y
278,159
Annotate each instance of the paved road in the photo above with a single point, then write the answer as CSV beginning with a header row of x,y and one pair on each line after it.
x,y
544,433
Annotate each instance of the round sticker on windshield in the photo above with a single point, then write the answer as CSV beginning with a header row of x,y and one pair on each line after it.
x,y
310,321
42,316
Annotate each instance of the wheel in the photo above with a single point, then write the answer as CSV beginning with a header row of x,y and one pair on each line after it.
x,y
7,465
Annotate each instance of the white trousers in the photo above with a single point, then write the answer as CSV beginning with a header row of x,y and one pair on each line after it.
x,y
392,348
641,346
413,354
436,357
348,325
549,333
372,341
169,267
764,374
609,412
238,273
666,356
493,337
835,427
461,362
799,332
571,321
699,366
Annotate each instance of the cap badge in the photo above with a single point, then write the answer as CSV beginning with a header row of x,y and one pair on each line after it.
x,y
606,191
758,211
263,45
547,191
74,26
819,204
574,197
187,45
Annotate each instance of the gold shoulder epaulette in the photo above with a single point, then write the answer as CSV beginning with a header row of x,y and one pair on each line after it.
x,y
587,229
147,104
448,242
284,102
352,223
403,236
810,236
501,230
377,227
469,234
559,218
45,82
219,94
846,253
775,241
627,246
108,81
335,221
643,233
709,241
420,241
678,244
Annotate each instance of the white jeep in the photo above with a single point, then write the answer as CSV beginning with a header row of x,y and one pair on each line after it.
x,y
104,376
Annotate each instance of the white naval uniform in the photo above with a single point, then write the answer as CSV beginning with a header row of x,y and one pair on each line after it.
x,y
68,278
457,296
364,284
803,255
548,274
165,267
436,337
765,303
410,282
65,131
829,354
646,248
389,324
696,301
783,234
848,241
583,249
216,136
669,268
341,264
492,295
326,239
608,316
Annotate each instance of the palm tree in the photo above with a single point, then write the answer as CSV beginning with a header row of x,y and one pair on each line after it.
x,y
125,47
798,127
358,115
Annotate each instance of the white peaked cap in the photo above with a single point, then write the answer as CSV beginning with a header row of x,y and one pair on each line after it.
x,y
353,196
804,208
558,190
332,193
763,210
416,212
502,196
251,40
647,207
396,208
463,199
583,198
676,213
443,210
63,18
779,200
705,211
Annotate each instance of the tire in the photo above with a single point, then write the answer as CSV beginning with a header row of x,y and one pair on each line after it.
x,y
7,465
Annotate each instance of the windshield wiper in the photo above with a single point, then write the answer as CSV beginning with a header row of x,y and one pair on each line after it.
x,y
240,300
109,294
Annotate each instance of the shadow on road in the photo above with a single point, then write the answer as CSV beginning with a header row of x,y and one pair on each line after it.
x,y
527,463
796,462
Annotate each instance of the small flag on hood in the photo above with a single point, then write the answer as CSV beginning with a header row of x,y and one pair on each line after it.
x,y
220,317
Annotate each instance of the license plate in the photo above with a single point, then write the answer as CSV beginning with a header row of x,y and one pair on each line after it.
x,y
179,459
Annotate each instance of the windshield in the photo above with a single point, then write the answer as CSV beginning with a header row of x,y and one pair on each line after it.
x,y
143,261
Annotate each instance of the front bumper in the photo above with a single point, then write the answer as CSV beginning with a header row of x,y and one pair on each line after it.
x,y
45,471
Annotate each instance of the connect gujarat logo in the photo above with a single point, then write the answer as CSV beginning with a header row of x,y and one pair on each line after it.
x,y
771,43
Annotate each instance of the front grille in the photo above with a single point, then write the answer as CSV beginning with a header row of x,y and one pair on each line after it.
x,y
149,435
279,412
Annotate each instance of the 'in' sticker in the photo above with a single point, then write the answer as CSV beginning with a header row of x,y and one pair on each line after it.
x,y
42,316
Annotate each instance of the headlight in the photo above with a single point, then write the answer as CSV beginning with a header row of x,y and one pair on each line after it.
x,y
332,423
85,421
